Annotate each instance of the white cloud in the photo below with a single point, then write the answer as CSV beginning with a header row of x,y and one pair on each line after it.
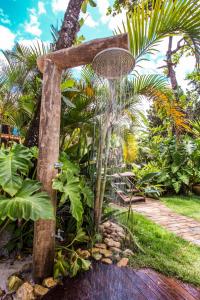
x,y
59,5
41,8
35,41
3,17
7,38
33,26
117,21
102,6
112,22
88,20
186,65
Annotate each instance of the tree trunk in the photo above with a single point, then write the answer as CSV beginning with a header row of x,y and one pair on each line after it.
x,y
171,72
67,34
32,135
49,137
70,25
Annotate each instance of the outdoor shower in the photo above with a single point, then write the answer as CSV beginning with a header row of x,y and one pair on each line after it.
x,y
112,64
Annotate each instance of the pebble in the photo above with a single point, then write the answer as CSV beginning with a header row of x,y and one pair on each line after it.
x,y
100,245
14,282
97,256
83,253
49,282
115,249
112,243
123,262
107,261
128,252
105,252
39,290
25,291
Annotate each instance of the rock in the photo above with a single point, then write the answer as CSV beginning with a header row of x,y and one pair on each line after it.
x,y
97,256
115,250
49,282
108,230
83,253
2,293
106,224
112,243
14,282
121,235
116,238
100,245
105,252
25,292
94,250
107,261
128,252
123,262
39,290
117,257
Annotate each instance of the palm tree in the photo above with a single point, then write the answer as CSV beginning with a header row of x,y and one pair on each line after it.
x,y
20,85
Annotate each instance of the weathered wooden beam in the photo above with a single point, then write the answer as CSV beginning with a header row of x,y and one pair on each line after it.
x,y
83,54
49,136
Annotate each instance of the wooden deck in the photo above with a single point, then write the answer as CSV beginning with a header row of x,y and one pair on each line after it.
x,y
105,282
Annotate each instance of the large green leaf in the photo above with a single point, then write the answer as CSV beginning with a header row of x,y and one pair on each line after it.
x,y
69,186
28,203
13,162
87,193
68,165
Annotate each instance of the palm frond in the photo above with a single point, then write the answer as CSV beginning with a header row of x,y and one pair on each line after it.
x,y
147,27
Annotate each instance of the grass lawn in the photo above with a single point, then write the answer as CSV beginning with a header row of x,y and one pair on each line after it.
x,y
184,205
163,251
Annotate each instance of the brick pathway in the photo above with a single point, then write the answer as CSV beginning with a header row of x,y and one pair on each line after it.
x,y
185,227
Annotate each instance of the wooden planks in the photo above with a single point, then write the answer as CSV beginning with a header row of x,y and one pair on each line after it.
x,y
105,282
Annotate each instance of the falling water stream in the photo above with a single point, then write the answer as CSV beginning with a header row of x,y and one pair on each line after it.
x,y
112,65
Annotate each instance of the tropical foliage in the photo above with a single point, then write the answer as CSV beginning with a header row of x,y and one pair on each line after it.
x,y
20,197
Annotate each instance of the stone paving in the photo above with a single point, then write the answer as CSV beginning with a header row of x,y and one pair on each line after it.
x,y
185,227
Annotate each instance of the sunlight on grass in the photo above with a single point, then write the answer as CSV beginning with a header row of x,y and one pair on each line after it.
x,y
163,251
184,205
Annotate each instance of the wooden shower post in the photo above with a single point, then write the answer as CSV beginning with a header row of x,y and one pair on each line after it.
x,y
49,136
51,65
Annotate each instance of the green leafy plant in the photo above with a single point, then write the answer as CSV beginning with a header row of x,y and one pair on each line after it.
x,y
28,203
70,261
20,197
14,165
181,162
73,189
146,179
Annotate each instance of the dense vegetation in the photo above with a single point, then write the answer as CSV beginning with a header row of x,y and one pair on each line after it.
x,y
162,147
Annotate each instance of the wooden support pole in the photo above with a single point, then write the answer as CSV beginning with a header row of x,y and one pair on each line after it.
x,y
44,230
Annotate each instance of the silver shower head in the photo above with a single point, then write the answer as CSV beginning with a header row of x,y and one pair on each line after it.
x,y
113,63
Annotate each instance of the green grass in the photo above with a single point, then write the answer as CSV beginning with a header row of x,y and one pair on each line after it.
x,y
163,251
184,205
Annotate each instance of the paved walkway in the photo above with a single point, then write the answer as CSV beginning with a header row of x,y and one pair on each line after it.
x,y
185,227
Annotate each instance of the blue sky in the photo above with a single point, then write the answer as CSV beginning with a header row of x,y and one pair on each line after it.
x,y
27,20
30,19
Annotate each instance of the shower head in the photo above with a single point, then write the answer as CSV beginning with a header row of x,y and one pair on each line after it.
x,y
113,63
